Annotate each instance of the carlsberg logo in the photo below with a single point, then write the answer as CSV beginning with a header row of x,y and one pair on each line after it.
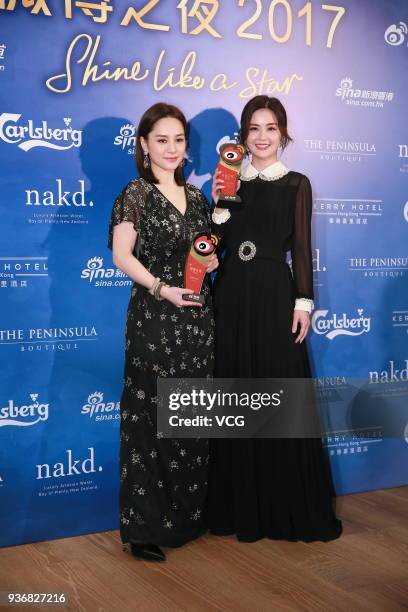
x,y
26,135
72,467
340,325
24,415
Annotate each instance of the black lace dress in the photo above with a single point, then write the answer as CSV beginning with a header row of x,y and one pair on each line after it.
x,y
163,481
276,488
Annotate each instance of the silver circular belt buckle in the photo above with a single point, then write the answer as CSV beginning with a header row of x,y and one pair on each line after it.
x,y
246,250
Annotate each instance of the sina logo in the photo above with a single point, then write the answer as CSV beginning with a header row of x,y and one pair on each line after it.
x,y
127,137
94,269
396,33
27,135
340,325
345,88
391,375
72,467
96,405
24,415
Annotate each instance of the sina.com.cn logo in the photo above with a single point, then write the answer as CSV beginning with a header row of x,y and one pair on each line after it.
x,y
340,325
99,276
27,135
102,410
24,415
126,138
396,34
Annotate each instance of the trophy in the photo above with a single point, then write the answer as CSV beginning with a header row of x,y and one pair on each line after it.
x,y
229,167
195,269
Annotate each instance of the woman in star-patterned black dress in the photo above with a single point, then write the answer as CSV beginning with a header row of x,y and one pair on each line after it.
x,y
163,481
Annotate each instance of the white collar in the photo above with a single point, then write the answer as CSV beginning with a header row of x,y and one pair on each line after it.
x,y
272,173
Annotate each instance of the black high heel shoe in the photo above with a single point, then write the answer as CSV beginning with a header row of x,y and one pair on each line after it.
x,y
150,552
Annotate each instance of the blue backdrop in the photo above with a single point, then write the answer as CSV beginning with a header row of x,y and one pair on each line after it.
x,y
75,77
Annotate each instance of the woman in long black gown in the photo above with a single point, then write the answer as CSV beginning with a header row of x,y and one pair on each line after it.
x,y
163,485
275,488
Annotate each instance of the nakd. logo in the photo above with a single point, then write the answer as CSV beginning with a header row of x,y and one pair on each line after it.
x,y
340,325
96,406
24,415
390,375
26,135
72,467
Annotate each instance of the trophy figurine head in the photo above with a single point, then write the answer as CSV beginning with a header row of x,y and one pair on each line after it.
x,y
232,154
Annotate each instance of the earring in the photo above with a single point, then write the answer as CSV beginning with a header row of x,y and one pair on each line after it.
x,y
183,162
146,160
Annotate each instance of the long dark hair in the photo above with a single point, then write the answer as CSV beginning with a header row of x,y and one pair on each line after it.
x,y
278,110
153,114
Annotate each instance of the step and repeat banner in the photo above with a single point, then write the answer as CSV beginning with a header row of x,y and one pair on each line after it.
x,y
75,77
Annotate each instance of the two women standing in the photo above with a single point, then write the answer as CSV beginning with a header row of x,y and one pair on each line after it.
x,y
257,488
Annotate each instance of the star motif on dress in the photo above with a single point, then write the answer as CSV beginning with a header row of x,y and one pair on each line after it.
x,y
155,367
195,515
140,394
198,460
174,465
172,371
153,454
141,491
135,417
189,326
164,340
183,365
128,381
151,346
178,340
159,434
148,314
163,316
174,318
168,350
167,524
160,484
182,452
167,268
139,324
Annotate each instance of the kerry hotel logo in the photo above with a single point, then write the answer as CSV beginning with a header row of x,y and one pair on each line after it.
x,y
27,135
340,325
24,415
362,97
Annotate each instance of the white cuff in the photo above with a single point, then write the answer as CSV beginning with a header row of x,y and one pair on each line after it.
x,y
222,217
304,304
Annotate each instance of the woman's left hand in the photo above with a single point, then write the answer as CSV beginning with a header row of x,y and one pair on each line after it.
x,y
302,318
212,263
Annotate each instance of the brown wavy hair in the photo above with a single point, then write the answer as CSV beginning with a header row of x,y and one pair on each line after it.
x,y
150,117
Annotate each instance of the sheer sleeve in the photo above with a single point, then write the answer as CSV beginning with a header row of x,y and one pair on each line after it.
x,y
301,247
126,207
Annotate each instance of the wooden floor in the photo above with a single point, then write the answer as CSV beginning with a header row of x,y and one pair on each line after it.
x,y
366,569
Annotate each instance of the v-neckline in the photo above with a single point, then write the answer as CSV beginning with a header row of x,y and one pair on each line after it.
x,y
171,203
